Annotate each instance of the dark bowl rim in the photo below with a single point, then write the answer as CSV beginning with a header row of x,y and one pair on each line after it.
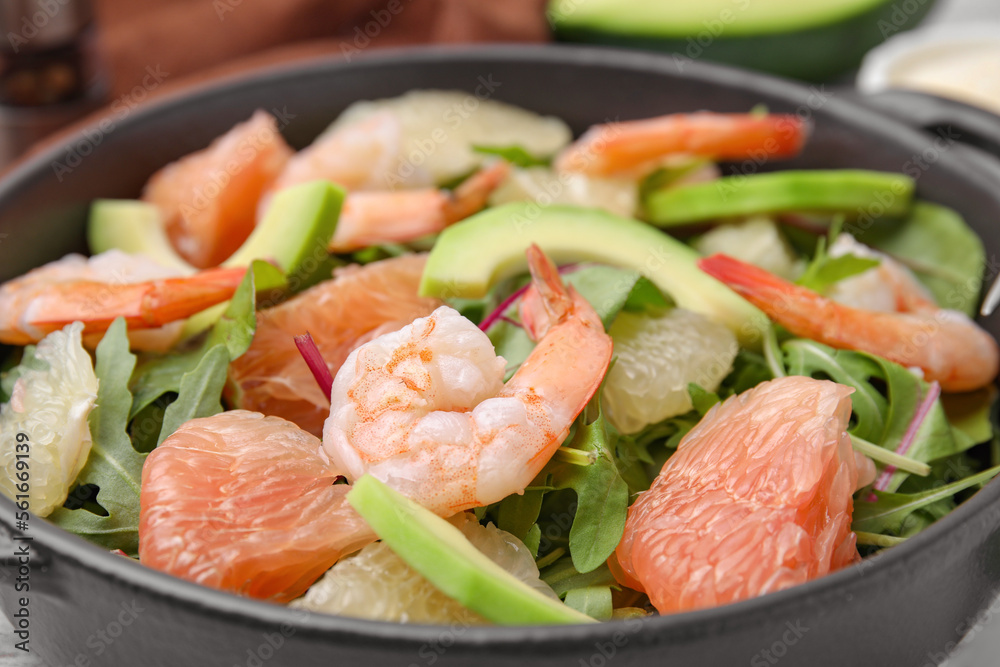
x,y
74,549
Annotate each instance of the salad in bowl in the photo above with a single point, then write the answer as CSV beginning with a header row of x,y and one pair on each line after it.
x,y
449,364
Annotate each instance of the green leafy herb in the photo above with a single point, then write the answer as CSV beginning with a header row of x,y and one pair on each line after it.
x,y
199,393
824,271
563,577
594,601
517,514
969,416
609,290
236,327
515,154
881,419
602,494
939,247
234,330
888,513
113,466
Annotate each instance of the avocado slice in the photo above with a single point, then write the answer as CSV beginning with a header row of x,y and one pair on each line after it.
x,y
437,550
475,254
298,225
808,40
134,227
299,222
850,191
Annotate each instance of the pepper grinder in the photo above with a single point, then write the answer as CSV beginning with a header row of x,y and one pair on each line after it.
x,y
49,70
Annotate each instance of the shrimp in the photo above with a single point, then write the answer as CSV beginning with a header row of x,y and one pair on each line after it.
x,y
359,304
361,157
399,216
425,410
945,344
639,146
99,289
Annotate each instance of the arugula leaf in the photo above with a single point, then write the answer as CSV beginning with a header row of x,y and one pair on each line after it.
x,y
702,399
602,495
888,513
234,330
563,577
883,420
594,601
809,358
113,465
824,270
200,392
609,290
969,416
906,391
517,514
236,327
533,539
939,247
515,154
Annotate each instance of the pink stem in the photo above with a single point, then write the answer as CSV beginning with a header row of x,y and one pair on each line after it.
x,y
924,409
498,313
311,354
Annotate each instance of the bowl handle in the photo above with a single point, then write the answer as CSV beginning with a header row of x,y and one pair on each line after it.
x,y
968,124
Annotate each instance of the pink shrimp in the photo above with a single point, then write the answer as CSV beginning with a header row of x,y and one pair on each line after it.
x,y
945,344
425,410
398,216
636,146
100,289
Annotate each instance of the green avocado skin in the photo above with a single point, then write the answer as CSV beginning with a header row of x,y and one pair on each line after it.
x,y
813,54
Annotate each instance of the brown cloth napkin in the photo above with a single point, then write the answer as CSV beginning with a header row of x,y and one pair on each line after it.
x,y
214,37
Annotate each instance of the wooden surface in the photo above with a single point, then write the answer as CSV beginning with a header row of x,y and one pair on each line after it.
x,y
468,21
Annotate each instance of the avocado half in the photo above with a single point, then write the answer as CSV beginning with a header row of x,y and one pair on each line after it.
x,y
814,40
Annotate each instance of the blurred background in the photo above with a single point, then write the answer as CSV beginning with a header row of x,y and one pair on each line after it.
x,y
60,59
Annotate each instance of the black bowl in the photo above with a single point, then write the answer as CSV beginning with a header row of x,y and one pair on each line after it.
x,y
908,606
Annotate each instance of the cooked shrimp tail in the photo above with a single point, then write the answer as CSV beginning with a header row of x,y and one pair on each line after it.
x,y
945,344
638,146
143,305
399,216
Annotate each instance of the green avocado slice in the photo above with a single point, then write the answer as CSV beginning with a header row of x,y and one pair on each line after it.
x,y
437,550
134,227
298,226
473,255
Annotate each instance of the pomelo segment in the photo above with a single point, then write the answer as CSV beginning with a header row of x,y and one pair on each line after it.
x,y
758,498
247,504
379,585
657,356
47,420
362,302
209,198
